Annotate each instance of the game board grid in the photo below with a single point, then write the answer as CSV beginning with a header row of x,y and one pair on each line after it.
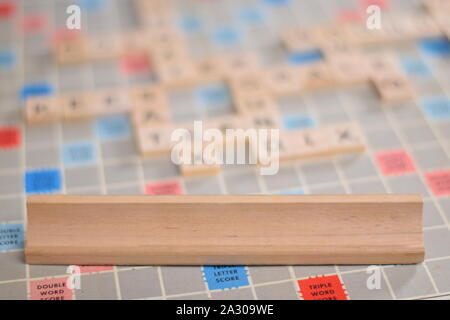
x,y
347,190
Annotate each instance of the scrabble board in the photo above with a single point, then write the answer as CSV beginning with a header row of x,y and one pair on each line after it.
x,y
407,143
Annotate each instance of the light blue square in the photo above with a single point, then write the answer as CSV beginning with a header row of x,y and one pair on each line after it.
x,y
212,95
7,59
113,127
297,121
291,192
190,24
227,36
78,154
225,277
437,108
252,16
92,5
415,67
277,3
11,236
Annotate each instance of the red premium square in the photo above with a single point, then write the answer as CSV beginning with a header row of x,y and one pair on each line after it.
x,y
439,182
50,289
322,288
9,137
164,188
94,269
7,9
135,64
394,162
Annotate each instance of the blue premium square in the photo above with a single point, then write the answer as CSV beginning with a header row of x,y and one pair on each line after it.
x,y
43,181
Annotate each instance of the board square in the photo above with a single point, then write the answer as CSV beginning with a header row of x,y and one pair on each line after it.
x,y
164,188
36,89
225,277
113,127
437,108
135,64
50,289
11,236
7,9
394,162
439,182
322,288
78,153
43,181
9,137
7,59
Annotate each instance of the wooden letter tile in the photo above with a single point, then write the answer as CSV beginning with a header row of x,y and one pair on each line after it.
x,y
70,51
395,89
349,69
316,76
111,101
148,96
283,80
42,109
77,106
154,140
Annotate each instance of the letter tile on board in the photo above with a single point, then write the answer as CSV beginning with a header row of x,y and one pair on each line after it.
x,y
201,165
133,41
111,101
178,73
154,140
227,122
382,65
73,50
148,96
230,123
334,48
324,35
299,39
345,137
359,35
417,26
287,147
316,76
104,47
42,109
264,120
325,141
159,22
254,103
240,63
308,143
165,38
348,69
395,89
436,5
77,106
209,70
148,116
283,80
169,52
250,82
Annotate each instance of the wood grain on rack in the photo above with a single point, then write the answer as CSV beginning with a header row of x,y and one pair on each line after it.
x,y
224,229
